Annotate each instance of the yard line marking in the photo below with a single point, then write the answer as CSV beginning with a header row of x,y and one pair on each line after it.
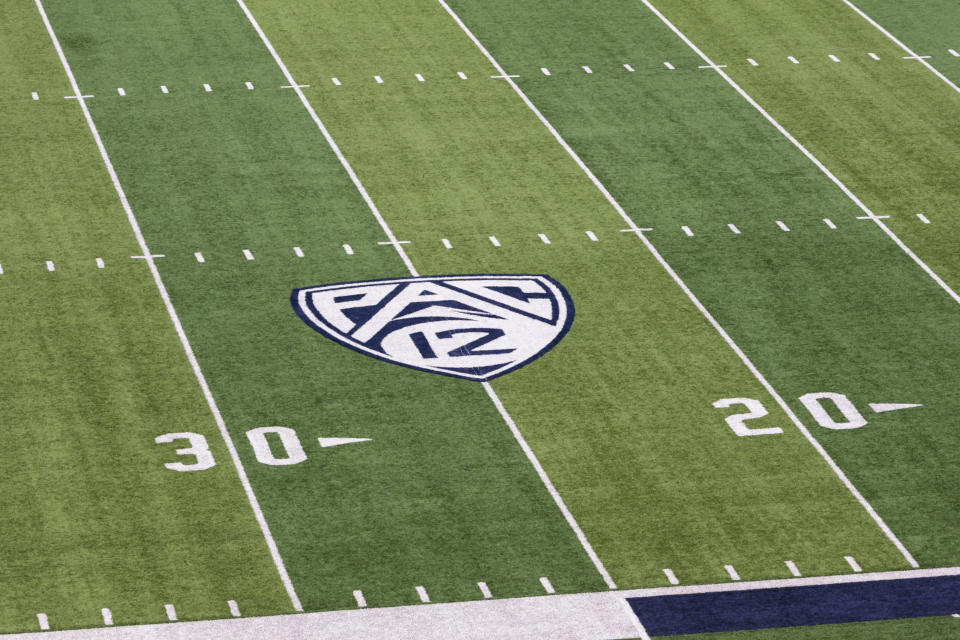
x,y
78,96
378,79
171,612
50,266
923,218
148,256
348,249
175,319
358,596
336,81
753,63
199,256
593,237
793,60
733,572
107,616
484,589
446,243
234,609
35,95
121,91
494,241
829,223
163,89
687,230
628,68
916,57
874,56
834,58
733,228
712,66
247,254
779,399
396,242
783,226
543,238
44,623
504,76
100,264
248,85
791,565
546,583
291,86
463,76
853,563
419,77
587,69
910,51
330,141
669,66
872,217
424,597
298,251
671,576
207,88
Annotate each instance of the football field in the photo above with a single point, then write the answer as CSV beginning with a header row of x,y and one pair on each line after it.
x,y
688,271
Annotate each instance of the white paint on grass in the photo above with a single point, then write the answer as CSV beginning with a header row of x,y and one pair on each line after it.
x,y
1,269
298,252
358,596
671,576
163,89
587,69
954,53
446,243
462,75
422,592
923,218
121,91
873,55
834,58
175,319
249,86
792,566
687,230
348,249
336,81
733,228
199,257
753,63
171,612
853,563
35,95
883,407
206,87
378,79
100,264
783,225
247,254
669,66
628,68
107,616
637,625
44,623
545,71
50,266
543,238
336,442
485,590
547,586
419,77
234,609
731,572
494,241
593,237
829,223
793,60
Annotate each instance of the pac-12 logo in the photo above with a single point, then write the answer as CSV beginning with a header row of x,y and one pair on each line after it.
x,y
476,327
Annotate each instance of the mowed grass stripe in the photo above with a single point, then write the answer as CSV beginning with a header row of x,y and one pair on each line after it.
x,y
846,312
440,497
458,182
93,373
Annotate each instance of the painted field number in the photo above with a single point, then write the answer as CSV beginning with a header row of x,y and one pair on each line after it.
x,y
203,457
737,421
815,403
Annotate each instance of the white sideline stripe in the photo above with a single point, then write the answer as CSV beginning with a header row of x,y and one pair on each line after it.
x,y
248,85
100,264
671,576
783,225
107,616
463,76
628,68
206,87
753,63
669,66
547,586
424,596
834,58
687,230
587,69
494,241
874,56
446,243
732,572
786,408
792,566
419,77
829,223
903,46
330,141
247,254
545,71
733,228
853,563
171,612
163,89
543,237
50,266
175,319
199,257
121,91
593,237
358,596
348,249
298,252
793,60
378,79
336,81
35,95
485,590
234,609
44,623
923,218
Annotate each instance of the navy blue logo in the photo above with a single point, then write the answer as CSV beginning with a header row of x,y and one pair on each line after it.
x,y
475,327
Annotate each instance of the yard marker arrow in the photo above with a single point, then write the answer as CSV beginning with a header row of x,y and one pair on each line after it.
x,y
334,442
880,407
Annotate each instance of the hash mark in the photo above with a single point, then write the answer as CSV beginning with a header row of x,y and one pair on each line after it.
x,y
348,249
484,589
121,91
954,53
793,60
834,58
419,77
753,63
587,69
628,68
829,223
793,568
732,572
593,237
1,269
733,228
923,218
199,257
249,86
687,230
547,586
336,81
378,79
107,616
99,263
234,609
358,596
669,66
782,225
171,612
955,615
544,238
853,564
494,241
462,75
247,254
207,88
422,592
50,266
874,56
298,251
163,89
671,577
44,623
446,243
545,71
35,95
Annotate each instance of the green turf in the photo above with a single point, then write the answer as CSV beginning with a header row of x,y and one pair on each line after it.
x,y
939,628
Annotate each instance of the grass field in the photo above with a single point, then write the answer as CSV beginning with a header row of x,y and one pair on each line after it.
x,y
752,204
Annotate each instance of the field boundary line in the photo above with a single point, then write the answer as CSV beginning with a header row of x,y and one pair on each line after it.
x,y
188,349
693,298
551,489
863,207
899,43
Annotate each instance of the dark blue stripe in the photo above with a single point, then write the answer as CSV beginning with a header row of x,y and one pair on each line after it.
x,y
798,606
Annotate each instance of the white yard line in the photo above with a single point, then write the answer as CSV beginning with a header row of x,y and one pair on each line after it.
x,y
696,301
879,222
148,258
910,51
